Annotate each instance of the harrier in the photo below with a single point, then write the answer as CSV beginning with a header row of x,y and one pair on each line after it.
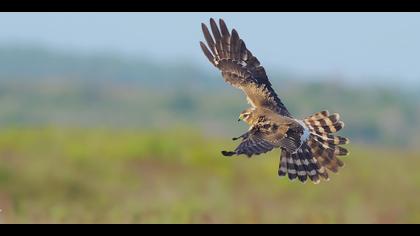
x,y
308,148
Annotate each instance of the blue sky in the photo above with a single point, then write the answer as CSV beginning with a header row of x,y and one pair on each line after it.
x,y
380,46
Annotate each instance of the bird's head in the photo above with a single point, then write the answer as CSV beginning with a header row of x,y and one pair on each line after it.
x,y
246,116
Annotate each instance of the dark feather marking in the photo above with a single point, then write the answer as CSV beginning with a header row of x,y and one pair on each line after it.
x,y
283,164
207,53
291,167
302,168
209,39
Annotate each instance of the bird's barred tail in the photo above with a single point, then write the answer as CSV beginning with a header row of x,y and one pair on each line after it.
x,y
319,153
301,165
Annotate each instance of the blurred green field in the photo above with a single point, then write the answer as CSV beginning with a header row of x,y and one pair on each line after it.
x,y
76,175
95,133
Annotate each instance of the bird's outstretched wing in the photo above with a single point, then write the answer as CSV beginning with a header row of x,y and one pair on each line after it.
x,y
253,143
239,67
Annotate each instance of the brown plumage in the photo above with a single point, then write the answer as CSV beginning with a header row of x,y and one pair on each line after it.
x,y
308,147
325,146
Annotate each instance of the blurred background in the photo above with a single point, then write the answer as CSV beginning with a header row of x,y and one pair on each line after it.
x,y
119,118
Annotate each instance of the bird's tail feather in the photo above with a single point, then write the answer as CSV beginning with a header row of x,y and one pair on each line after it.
x,y
301,165
319,152
325,146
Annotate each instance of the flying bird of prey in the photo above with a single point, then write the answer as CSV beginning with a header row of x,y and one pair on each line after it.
x,y
308,148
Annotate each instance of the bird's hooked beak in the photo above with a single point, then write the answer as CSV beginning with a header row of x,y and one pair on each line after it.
x,y
241,117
